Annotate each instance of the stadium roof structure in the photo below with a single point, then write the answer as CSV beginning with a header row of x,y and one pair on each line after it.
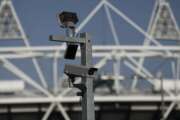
x,y
148,95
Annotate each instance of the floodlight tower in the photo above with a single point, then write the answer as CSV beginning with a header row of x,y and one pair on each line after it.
x,y
164,25
85,71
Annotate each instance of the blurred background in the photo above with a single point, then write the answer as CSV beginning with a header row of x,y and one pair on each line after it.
x,y
135,48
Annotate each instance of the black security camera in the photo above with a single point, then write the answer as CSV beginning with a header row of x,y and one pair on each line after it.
x,y
68,19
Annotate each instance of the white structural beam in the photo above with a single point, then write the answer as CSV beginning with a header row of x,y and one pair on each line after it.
x,y
174,19
9,3
137,27
27,93
149,79
128,20
168,111
16,71
134,83
20,55
138,72
111,24
116,64
90,16
121,14
178,68
102,62
55,72
147,74
119,55
147,41
75,99
154,11
35,62
106,52
143,69
48,111
173,67
96,48
177,74
63,112
158,5
116,70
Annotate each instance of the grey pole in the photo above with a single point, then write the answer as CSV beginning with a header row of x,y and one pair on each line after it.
x,y
85,70
88,96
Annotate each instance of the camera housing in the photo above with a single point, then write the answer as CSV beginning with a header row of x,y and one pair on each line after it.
x,y
79,71
68,19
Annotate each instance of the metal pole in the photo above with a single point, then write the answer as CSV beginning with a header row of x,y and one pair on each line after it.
x,y
88,96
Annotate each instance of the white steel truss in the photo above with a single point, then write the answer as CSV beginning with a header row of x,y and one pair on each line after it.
x,y
132,58
164,25
8,25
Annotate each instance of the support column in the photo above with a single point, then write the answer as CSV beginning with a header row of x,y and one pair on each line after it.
x,y
88,96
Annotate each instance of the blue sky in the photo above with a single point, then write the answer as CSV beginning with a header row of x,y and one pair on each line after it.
x,y
38,18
